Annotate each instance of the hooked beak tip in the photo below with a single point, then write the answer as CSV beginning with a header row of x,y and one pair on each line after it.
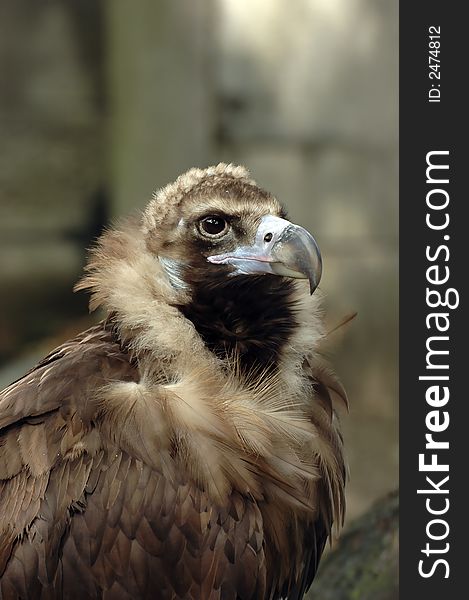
x,y
298,253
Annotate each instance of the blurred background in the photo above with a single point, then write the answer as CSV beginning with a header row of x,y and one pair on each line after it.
x,y
102,102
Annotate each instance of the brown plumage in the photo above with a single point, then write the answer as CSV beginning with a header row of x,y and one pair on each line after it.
x,y
187,446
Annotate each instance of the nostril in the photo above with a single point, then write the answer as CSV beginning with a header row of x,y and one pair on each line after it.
x,y
268,237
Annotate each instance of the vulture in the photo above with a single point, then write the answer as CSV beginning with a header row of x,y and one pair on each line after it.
x,y
187,446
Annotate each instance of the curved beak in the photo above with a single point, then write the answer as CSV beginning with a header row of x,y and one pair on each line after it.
x,y
280,248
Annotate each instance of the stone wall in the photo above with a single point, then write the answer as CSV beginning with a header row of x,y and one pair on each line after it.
x,y
51,165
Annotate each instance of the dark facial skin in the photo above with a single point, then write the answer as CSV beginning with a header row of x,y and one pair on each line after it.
x,y
247,316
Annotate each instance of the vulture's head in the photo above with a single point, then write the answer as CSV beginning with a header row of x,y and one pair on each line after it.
x,y
219,249
212,226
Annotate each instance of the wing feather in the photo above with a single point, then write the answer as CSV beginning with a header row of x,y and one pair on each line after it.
x,y
330,491
80,514
46,444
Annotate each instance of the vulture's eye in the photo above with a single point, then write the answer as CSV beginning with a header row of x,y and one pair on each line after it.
x,y
213,226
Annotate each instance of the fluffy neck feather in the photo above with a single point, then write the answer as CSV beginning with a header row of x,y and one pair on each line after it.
x,y
263,318
128,282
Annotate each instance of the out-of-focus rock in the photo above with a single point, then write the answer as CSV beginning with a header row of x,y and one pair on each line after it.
x,y
364,564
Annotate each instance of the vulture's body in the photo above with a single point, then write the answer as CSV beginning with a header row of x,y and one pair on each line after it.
x,y
187,446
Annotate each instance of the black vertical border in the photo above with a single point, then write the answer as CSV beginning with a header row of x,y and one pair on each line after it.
x,y
425,127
